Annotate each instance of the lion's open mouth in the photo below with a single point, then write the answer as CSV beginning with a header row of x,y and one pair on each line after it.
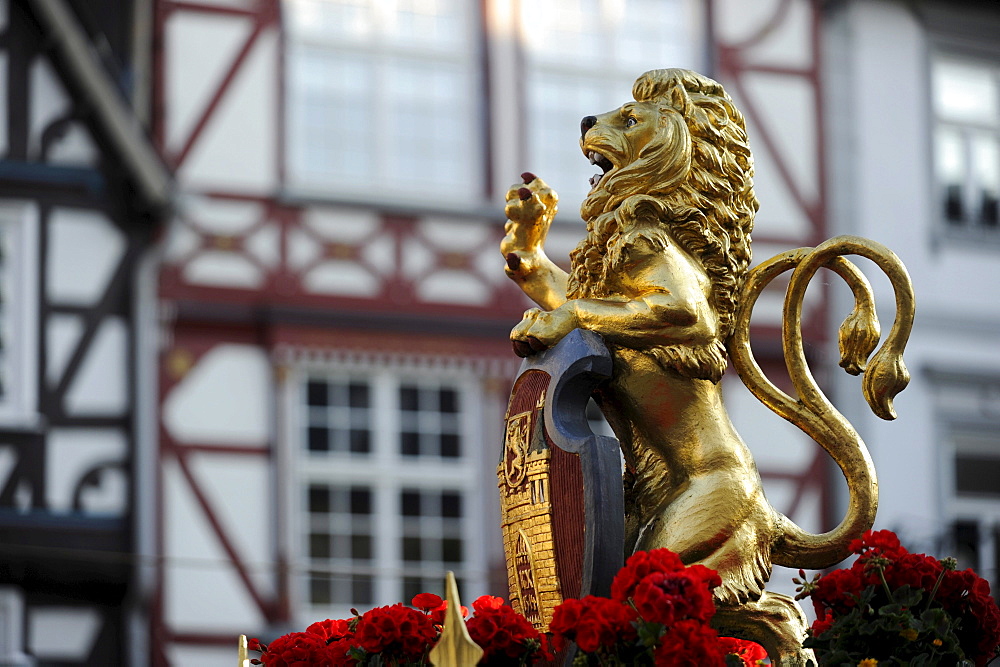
x,y
602,162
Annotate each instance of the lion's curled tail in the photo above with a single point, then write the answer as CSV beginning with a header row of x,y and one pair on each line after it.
x,y
885,375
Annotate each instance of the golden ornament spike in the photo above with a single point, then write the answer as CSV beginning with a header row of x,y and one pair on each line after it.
x,y
455,648
243,655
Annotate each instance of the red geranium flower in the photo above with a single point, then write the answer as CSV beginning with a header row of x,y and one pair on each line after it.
x,y
397,632
668,597
437,614
838,591
593,623
506,636
426,601
690,644
331,629
484,602
639,566
877,543
296,649
749,652
821,625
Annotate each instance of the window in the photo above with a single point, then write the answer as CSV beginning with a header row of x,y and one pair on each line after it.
x,y
968,407
388,494
382,95
583,56
18,313
966,94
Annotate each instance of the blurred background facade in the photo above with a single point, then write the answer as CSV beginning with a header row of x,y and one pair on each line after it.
x,y
254,360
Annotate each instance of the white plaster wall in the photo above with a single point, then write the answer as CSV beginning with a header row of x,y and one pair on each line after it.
x,y
238,148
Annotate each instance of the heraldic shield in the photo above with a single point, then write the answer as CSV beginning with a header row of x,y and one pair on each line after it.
x,y
561,499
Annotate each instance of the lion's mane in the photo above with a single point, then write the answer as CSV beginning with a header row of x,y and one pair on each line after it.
x,y
694,185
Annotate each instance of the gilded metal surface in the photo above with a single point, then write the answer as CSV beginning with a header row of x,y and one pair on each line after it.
x,y
242,655
455,648
663,275
526,517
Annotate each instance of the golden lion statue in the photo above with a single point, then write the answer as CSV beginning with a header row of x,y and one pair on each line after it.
x,y
663,276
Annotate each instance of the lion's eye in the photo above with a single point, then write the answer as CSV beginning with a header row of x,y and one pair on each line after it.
x,y
631,121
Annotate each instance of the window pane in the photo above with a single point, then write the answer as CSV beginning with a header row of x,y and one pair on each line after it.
x,y
448,400
319,439
977,474
965,91
361,501
361,547
409,503
451,505
320,17
564,30
316,392
412,550
383,92
408,398
428,123
319,499
319,588
643,24
319,545
358,395
434,23
986,170
339,418
449,445
951,162
361,590
409,444
331,115
451,550
359,442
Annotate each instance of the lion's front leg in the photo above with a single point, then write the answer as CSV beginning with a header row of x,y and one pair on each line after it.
x,y
541,329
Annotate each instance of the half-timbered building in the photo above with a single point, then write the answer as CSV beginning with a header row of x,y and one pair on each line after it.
x,y
253,368
81,192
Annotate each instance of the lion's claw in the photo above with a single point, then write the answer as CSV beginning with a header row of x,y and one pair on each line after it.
x,y
528,177
536,344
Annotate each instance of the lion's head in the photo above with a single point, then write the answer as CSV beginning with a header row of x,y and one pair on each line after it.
x,y
678,152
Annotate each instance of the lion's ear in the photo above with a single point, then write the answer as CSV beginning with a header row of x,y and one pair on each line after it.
x,y
679,99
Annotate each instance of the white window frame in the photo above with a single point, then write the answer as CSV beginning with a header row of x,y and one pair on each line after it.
x,y
970,36
969,227
19,322
381,50
387,473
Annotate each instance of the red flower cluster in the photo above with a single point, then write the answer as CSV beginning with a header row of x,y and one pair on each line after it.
x,y
397,632
505,636
301,649
962,594
594,623
404,636
658,613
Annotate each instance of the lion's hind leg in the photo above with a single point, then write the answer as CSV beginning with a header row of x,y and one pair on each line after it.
x,y
775,621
